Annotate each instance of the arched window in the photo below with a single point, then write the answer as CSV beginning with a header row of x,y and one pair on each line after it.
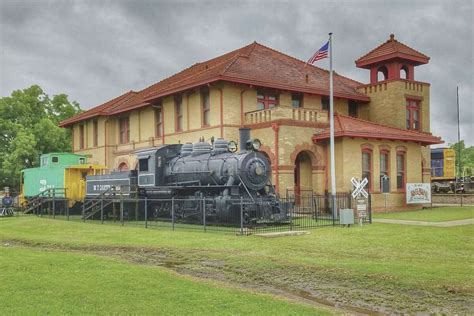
x,y
123,166
384,165
382,73
401,170
404,72
367,166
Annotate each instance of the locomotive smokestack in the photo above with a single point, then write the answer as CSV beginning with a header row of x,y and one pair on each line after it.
x,y
244,135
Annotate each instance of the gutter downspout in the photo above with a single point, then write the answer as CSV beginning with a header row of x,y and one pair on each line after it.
x,y
106,121
276,130
242,106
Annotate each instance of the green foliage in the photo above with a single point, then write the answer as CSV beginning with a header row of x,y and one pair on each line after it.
x,y
467,158
29,121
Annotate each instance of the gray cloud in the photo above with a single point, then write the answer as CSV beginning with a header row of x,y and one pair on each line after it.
x,y
96,50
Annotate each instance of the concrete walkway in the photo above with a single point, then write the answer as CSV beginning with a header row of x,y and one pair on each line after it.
x,y
460,222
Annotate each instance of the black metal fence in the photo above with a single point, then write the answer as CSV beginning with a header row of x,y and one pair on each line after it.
x,y
236,215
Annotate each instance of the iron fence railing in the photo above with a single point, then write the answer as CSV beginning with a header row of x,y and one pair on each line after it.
x,y
231,215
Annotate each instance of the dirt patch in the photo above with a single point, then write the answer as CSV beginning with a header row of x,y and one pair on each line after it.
x,y
335,288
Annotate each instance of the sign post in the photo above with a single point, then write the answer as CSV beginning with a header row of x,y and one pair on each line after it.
x,y
361,196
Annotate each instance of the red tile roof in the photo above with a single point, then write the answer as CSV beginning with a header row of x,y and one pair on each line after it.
x,y
103,109
345,126
253,64
392,49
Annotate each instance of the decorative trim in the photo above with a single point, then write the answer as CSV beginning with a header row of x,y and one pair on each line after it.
x,y
267,150
311,150
401,149
414,97
367,146
384,147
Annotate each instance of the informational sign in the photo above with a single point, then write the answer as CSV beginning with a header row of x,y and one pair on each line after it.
x,y
361,205
359,188
418,193
385,184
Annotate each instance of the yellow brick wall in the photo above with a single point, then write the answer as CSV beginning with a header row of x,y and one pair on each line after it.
x,y
285,98
341,107
215,100
388,102
312,101
147,123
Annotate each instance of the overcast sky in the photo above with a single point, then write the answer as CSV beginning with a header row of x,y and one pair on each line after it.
x,y
96,50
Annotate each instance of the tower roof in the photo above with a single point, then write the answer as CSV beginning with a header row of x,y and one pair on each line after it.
x,y
391,49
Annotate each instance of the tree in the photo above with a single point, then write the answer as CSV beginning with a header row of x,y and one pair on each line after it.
x,y
467,158
29,127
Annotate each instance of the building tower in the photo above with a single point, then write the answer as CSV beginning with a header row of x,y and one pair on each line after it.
x,y
397,99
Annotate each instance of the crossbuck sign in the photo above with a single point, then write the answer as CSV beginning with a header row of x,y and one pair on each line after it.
x,y
359,187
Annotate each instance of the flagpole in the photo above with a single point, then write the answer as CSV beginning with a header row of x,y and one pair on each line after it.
x,y
331,131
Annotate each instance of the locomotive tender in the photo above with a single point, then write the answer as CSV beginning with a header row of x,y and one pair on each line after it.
x,y
192,173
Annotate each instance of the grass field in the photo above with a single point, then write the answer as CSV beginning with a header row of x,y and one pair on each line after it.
x,y
440,214
88,268
45,282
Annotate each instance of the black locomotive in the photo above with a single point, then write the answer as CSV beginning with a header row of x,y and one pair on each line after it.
x,y
179,178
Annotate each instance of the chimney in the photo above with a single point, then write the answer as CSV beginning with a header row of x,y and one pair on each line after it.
x,y
244,135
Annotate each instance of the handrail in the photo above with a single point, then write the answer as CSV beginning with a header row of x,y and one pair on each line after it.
x,y
309,115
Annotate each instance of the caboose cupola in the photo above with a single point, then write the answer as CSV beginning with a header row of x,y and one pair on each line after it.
x,y
391,61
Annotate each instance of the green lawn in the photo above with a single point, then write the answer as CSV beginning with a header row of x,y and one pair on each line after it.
x,y
386,268
440,214
43,282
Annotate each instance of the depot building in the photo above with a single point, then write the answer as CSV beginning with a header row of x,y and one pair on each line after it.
x,y
382,128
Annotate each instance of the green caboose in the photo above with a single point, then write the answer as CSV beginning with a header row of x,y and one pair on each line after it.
x,y
63,171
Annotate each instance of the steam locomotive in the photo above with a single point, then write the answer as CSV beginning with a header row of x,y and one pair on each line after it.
x,y
187,174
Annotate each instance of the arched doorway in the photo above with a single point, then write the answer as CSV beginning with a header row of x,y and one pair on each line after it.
x,y
303,175
123,166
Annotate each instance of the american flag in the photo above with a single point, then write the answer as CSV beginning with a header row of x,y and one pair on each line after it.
x,y
320,54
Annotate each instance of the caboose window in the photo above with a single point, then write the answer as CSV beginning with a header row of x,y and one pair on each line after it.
x,y
44,161
55,159
143,164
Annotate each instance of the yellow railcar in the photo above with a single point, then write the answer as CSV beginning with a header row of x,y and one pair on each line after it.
x,y
443,164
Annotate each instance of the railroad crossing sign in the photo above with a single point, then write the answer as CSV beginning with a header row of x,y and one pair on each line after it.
x,y
359,187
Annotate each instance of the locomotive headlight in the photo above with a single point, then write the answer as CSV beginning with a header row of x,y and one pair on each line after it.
x,y
256,144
